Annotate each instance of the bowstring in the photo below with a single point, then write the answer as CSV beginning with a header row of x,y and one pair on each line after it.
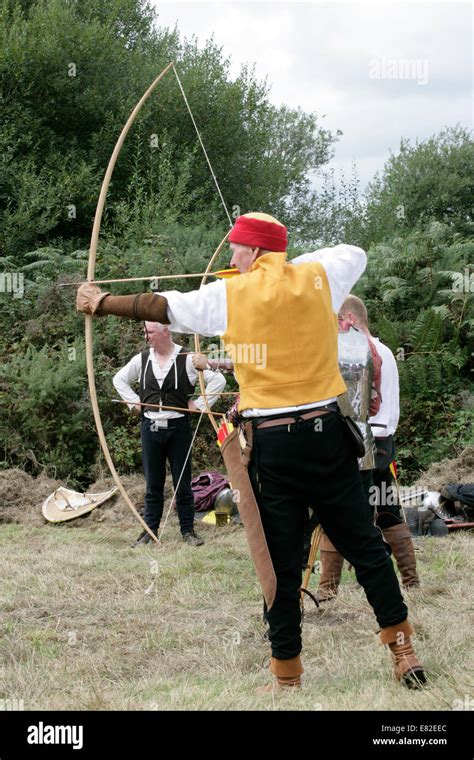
x,y
173,498
202,145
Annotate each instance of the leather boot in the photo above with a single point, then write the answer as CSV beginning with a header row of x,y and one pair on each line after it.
x,y
407,668
401,544
331,569
287,675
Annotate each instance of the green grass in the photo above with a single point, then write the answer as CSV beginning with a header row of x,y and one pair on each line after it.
x,y
88,623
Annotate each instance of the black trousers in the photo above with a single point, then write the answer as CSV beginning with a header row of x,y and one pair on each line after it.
x,y
367,484
386,491
306,466
158,445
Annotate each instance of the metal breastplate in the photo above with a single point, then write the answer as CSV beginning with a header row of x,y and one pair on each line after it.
x,y
355,364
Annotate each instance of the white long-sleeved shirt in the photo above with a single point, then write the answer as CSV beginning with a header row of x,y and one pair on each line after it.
x,y
389,412
205,310
130,374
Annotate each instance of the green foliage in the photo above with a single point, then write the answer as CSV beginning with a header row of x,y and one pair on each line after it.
x,y
71,74
45,264
47,414
124,444
334,214
408,278
420,303
431,428
432,180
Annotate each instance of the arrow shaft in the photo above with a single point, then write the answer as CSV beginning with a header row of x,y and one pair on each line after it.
x,y
221,393
229,272
166,408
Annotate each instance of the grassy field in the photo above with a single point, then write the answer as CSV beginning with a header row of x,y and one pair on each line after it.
x,y
89,623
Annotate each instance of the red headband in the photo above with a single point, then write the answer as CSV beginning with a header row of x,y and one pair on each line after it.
x,y
260,234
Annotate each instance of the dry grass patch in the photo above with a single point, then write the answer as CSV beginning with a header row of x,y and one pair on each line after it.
x,y
89,623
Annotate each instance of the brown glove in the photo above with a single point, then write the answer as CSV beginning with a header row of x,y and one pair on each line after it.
x,y
151,307
89,297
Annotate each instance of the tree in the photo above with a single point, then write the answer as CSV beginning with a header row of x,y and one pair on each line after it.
x,y
71,74
433,180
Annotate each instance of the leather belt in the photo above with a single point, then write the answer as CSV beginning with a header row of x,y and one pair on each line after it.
x,y
292,420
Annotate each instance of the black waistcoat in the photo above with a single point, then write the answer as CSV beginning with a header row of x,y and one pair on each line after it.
x,y
176,388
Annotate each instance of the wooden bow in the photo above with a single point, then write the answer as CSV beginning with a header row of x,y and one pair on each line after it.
x,y
88,317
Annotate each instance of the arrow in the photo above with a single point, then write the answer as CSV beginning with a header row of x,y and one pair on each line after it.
x,y
211,395
221,273
160,407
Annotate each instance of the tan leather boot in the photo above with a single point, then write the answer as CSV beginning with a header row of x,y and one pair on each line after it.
x,y
401,544
407,668
287,675
331,569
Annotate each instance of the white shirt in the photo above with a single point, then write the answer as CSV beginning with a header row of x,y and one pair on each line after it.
x,y
389,412
205,310
215,381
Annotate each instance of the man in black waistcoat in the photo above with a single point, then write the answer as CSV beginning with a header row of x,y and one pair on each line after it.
x,y
166,377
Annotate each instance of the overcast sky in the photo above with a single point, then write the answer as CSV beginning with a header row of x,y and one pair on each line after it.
x,y
379,71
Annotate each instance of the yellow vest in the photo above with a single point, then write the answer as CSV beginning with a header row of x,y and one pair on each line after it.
x,y
282,334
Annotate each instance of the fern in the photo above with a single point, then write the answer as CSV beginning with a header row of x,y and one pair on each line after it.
x,y
426,333
48,262
388,332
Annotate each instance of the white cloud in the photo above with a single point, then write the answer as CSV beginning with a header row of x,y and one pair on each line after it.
x,y
318,56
